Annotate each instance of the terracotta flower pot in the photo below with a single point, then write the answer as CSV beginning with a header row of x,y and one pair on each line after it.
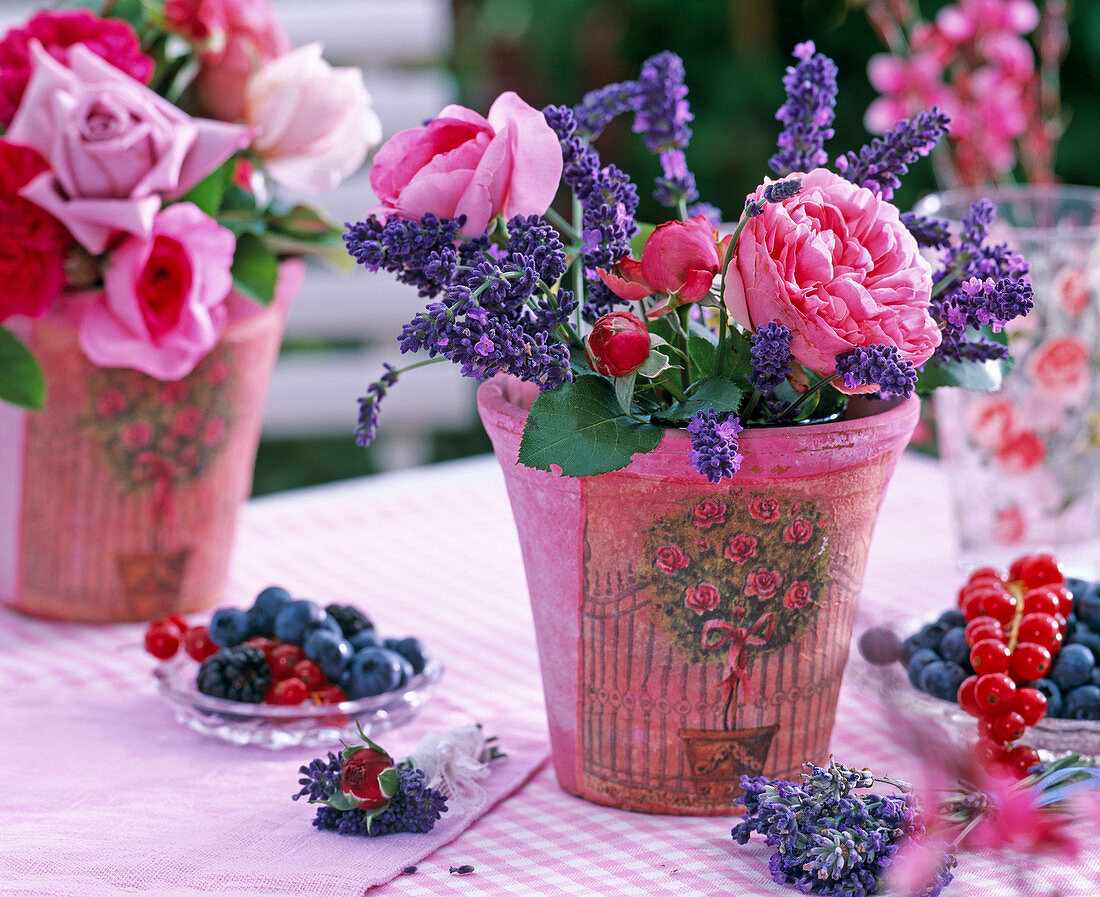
x,y
690,633
119,499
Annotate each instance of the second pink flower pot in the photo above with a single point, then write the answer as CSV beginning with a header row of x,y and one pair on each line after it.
x,y
690,633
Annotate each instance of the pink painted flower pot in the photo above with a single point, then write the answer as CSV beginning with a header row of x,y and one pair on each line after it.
x,y
690,633
118,500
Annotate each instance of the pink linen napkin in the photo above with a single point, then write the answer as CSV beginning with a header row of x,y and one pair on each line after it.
x,y
106,793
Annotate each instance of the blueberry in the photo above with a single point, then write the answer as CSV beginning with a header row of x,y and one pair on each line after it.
x,y
1077,587
1087,606
952,619
1072,625
931,634
411,650
919,661
407,671
1095,676
942,679
909,647
329,651
372,671
266,608
1086,637
364,639
1052,693
1072,666
880,646
228,627
298,617
1082,702
954,647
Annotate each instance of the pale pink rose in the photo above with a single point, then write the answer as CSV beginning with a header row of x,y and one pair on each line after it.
x,y
1060,367
314,123
836,266
234,38
1071,286
989,420
1009,525
136,435
701,599
163,303
115,148
463,164
187,421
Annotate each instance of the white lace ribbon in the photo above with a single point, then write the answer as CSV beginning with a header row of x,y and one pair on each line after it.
x,y
452,763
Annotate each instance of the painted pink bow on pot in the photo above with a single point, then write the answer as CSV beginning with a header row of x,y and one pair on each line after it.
x,y
737,637
680,260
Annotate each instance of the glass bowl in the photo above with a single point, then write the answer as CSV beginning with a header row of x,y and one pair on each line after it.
x,y
274,726
1052,737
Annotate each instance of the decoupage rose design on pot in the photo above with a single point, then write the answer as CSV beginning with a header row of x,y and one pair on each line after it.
x,y
702,598
765,508
670,558
709,512
740,548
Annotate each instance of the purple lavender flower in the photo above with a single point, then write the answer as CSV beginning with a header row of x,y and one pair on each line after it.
x,y
598,108
879,166
662,110
880,366
807,115
713,214
934,233
421,253
714,444
770,356
776,191
367,427
677,184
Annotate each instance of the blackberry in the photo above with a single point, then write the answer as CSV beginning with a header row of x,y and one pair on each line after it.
x,y
237,674
352,620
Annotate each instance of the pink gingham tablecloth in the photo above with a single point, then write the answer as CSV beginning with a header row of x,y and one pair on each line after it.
x,y
140,805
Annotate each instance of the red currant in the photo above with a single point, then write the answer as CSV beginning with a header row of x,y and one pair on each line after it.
x,y
994,692
1000,605
1021,758
984,574
1016,569
990,753
198,644
990,656
309,673
179,622
966,697
1031,704
282,660
162,639
287,691
982,628
330,694
1030,661
267,645
1039,570
1041,629
1061,595
1041,601
1008,726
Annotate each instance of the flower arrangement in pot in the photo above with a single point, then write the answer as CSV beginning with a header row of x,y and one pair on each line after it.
x,y
695,422
145,278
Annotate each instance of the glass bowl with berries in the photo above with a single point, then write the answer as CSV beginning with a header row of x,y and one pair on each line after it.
x,y
289,672
1013,666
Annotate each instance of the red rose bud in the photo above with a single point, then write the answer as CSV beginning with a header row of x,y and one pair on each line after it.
x,y
368,779
618,344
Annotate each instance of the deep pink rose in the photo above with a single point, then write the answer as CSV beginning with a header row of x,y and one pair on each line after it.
x,y
361,779
115,148
740,548
670,559
680,260
1060,367
463,164
57,31
762,583
163,303
702,598
709,512
797,596
314,123
764,508
835,265
32,242
618,344
1021,452
234,39
799,531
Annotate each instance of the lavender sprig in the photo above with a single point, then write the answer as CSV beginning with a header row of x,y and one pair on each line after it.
x,y
880,165
933,233
367,427
807,115
421,253
880,366
776,191
770,356
714,444
662,111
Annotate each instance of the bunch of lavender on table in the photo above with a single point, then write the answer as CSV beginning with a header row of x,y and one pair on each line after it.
x,y
821,291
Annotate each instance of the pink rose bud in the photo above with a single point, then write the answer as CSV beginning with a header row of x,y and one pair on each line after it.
x,y
618,344
361,778
682,257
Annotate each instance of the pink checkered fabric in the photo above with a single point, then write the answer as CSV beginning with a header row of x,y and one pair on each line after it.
x,y
431,553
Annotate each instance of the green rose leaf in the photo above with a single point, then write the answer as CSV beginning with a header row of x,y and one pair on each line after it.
x,y
719,393
703,356
389,782
207,194
255,269
985,376
338,801
21,379
580,427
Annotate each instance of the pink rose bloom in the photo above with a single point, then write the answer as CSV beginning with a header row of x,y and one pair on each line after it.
x,y
670,559
163,303
797,596
740,548
1009,525
990,420
234,38
764,508
57,31
1071,286
762,583
314,124
136,435
836,266
1020,453
115,148
799,532
1060,367
463,164
702,598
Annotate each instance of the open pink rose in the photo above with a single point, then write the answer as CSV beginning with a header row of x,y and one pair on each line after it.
x,y
670,559
463,164
234,38
314,124
1060,367
115,148
702,598
836,265
163,303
